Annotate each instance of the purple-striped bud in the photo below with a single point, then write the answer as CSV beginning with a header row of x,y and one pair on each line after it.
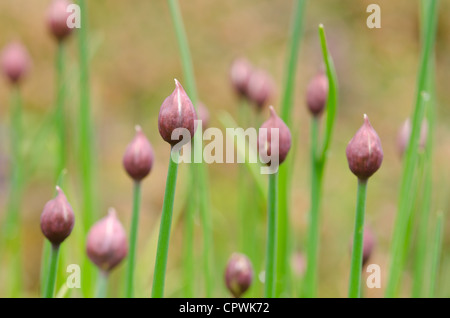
x,y
138,158
260,88
364,152
240,73
15,62
317,94
274,143
176,114
405,133
57,17
57,218
238,274
107,242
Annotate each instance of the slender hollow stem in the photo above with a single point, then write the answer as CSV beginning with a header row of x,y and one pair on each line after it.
x,y
133,239
60,113
102,284
85,149
164,231
285,172
310,281
436,256
410,160
271,236
52,270
198,170
189,224
357,250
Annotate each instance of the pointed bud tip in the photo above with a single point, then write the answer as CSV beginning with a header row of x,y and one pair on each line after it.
x,y
138,128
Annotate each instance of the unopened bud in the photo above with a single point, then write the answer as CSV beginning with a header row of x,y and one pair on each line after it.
x,y
15,62
317,94
238,274
404,135
138,158
240,73
260,88
57,17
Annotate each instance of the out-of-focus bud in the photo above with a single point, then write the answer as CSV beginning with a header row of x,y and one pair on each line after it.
x,y
364,152
265,141
138,158
57,17
177,112
405,133
317,93
203,115
107,242
238,274
260,88
57,218
368,244
298,263
15,62
240,74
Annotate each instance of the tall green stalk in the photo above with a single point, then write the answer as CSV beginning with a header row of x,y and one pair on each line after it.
x,y
271,246
198,170
60,113
188,248
133,239
358,244
319,151
85,149
410,160
436,256
285,171
164,230
52,271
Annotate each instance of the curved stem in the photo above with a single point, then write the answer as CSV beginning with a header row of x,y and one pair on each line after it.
x,y
271,236
133,239
436,254
164,230
52,270
310,281
357,250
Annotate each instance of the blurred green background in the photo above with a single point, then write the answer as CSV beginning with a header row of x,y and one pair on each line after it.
x,y
134,59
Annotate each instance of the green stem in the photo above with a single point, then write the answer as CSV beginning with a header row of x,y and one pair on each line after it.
x,y
164,231
285,171
357,250
133,239
52,270
436,256
85,150
102,285
271,236
407,184
60,114
198,170
189,272
310,280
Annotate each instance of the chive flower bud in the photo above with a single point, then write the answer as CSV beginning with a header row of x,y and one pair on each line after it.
x,y
317,93
57,218
364,152
203,115
138,158
267,144
260,88
240,73
15,62
107,242
405,133
57,17
238,274
177,112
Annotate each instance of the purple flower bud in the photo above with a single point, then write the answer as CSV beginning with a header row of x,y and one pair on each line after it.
x,y
240,73
138,158
317,94
298,263
57,17
57,218
405,133
238,274
15,62
260,88
265,142
107,242
364,152
177,112
368,244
